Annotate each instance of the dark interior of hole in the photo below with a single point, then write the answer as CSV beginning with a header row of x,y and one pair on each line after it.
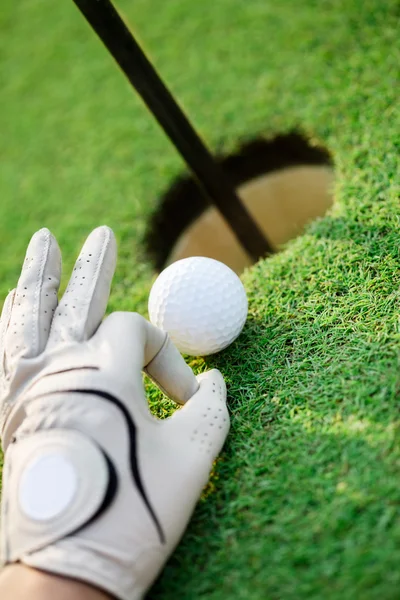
x,y
183,202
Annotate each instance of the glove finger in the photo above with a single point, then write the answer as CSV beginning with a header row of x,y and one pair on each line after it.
x,y
84,302
139,345
170,372
204,419
35,299
4,322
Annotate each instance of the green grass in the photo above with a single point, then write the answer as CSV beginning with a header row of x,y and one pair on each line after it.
x,y
305,500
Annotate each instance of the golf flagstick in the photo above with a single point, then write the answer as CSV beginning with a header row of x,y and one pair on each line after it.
x,y
117,38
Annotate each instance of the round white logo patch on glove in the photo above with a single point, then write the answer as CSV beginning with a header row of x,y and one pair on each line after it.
x,y
47,487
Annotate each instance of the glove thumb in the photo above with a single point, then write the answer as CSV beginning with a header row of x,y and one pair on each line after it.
x,y
204,419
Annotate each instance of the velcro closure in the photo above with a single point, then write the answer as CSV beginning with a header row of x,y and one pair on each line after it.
x,y
54,483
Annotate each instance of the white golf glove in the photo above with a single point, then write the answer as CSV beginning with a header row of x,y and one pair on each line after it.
x,y
94,487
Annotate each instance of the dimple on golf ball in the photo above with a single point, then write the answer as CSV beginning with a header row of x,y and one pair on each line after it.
x,y
201,303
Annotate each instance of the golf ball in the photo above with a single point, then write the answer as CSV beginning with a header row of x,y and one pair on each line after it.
x,y
201,303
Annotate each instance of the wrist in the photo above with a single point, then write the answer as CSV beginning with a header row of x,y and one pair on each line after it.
x,y
73,560
19,582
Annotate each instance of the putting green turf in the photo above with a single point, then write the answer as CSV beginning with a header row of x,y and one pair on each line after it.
x,y
305,501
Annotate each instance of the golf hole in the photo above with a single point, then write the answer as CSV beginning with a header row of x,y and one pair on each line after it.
x,y
285,183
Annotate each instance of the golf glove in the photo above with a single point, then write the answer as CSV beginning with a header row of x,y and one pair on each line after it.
x,y
94,487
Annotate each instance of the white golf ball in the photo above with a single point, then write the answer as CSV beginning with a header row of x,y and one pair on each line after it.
x,y
201,303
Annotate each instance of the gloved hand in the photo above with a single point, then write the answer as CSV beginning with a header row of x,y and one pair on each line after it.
x,y
94,487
